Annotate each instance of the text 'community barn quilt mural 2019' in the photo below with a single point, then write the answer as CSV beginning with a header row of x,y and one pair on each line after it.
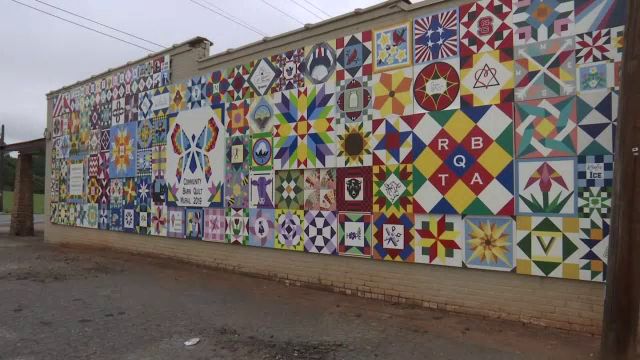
x,y
480,136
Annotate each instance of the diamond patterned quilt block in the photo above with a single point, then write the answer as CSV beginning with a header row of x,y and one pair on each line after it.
x,y
488,243
290,67
236,226
239,88
435,36
547,187
486,78
354,144
289,230
392,93
393,189
354,189
321,232
262,185
320,189
437,85
261,227
262,77
393,237
392,47
594,46
548,246
539,20
214,225
123,150
597,122
354,234
485,25
354,99
392,141
354,56
594,236
439,239
592,15
289,189
546,128
466,166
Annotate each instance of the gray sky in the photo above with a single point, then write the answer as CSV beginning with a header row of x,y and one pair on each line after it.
x,y
40,53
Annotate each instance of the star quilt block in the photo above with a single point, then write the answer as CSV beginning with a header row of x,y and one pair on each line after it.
x,y
159,220
393,189
289,230
486,78
354,99
290,65
236,230
289,189
548,246
123,150
261,152
437,85
354,144
393,237
262,227
214,225
239,87
392,140
594,46
217,86
597,112
592,15
545,69
143,190
354,189
354,234
320,189
488,242
321,232
594,202
594,236
539,20
547,187
392,93
435,36
485,25
354,56
237,117
546,128
261,185
439,239
466,165
392,47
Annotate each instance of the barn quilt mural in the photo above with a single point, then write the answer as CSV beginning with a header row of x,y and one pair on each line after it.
x,y
480,136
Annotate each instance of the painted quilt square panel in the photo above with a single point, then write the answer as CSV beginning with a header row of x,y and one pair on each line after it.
x,y
262,227
261,115
196,92
129,191
217,86
194,223
545,69
239,87
354,56
466,166
237,220
261,152
594,46
354,99
143,219
159,161
439,239
437,85
116,218
237,172
176,222
143,162
289,189
320,189
597,122
354,144
594,202
159,220
488,243
237,117
262,77
262,185
214,225
592,15
392,141
290,108
485,25
354,234
123,151
547,187
539,20
289,230
354,189
392,93
393,237
393,189
128,219
320,63
595,171
178,97
392,47
548,246
143,190
596,76
546,128
144,134
290,65
159,191
195,157
594,235
487,78
435,36
321,232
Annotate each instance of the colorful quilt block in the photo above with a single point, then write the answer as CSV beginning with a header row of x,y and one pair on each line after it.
x,y
236,229
597,122
215,223
320,63
143,219
123,150
262,186
196,157
545,69
438,239
466,166
237,117
239,87
261,115
548,246
262,227
547,187
594,202
92,217
159,220
289,189
437,85
144,134
320,189
159,191
486,78
143,162
217,86
129,191
354,234
354,99
354,56
488,243
354,144
321,232
392,93
290,66
261,152
143,190
595,171
594,236
237,171
262,77
393,189
597,76
546,128
289,230
594,46
129,219
392,141
115,192
354,189
392,47
435,36
485,25
159,161
539,20
290,108
393,237
178,97
118,112
176,222
116,218
194,223
592,15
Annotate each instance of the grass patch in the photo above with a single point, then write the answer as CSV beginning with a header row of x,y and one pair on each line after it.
x,y
38,202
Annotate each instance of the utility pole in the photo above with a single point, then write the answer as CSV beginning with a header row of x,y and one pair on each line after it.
x,y
620,323
1,168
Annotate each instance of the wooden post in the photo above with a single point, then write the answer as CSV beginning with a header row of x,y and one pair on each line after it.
x,y
620,323
1,169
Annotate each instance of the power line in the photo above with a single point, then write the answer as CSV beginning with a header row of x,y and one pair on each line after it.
x,y
282,12
82,26
229,17
317,8
101,24
236,18
307,10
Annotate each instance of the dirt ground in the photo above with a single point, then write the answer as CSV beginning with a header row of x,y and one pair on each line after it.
x,y
68,303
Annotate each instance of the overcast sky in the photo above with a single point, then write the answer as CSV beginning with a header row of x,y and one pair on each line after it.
x,y
40,53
